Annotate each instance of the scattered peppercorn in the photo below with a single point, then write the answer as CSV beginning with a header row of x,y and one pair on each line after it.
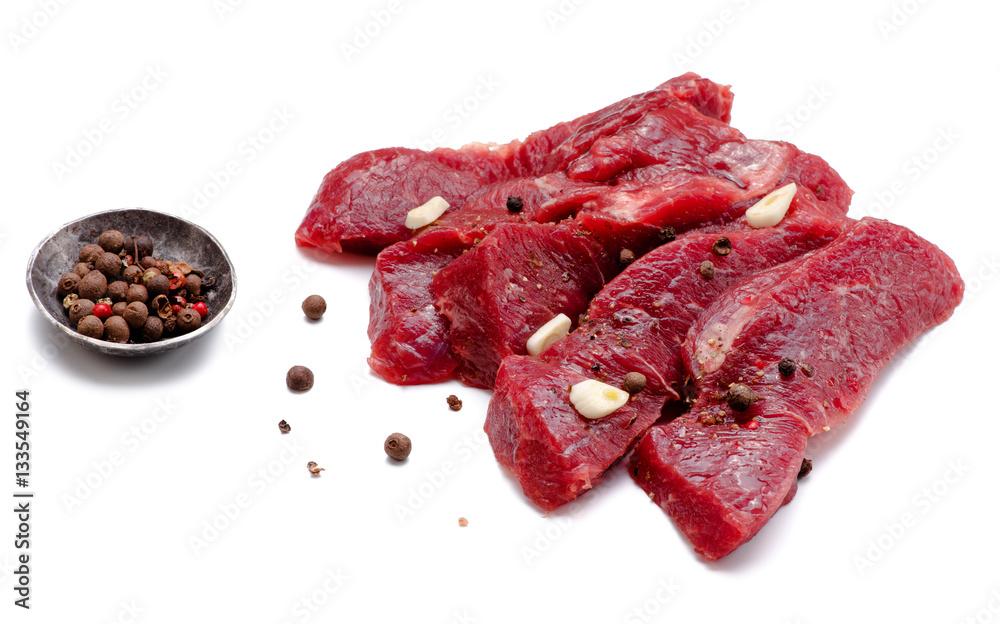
x,y
807,369
626,257
111,241
667,234
314,468
314,307
740,397
193,284
722,247
284,427
90,326
397,446
786,367
595,367
515,204
298,378
707,269
462,522
634,383
806,468
454,403
116,329
68,284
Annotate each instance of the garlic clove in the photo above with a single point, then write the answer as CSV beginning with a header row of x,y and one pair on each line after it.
x,y
426,213
548,333
594,399
771,209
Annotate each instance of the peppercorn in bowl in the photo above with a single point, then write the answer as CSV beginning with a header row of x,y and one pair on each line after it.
x,y
131,282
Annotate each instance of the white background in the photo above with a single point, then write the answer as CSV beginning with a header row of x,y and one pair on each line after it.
x,y
215,77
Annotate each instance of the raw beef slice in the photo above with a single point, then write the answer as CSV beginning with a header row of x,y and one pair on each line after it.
x,y
636,324
361,205
840,313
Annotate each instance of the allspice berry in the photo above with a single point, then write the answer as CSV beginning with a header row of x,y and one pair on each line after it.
x,y
193,284
118,309
158,285
299,378
68,284
314,306
92,286
139,246
707,269
147,262
80,309
112,241
136,314
626,257
90,253
740,397
188,320
398,446
91,326
116,329
109,264
634,383
117,291
137,292
152,329
82,268
132,274
722,246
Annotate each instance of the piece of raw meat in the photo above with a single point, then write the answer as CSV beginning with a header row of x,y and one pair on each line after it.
x,y
839,313
636,324
518,278
361,205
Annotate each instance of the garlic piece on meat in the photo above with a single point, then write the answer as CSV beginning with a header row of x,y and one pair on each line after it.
x,y
770,210
594,399
427,213
548,333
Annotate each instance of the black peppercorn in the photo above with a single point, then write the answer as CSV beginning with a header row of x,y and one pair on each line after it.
x,y
193,284
68,284
112,241
90,253
786,367
117,291
92,286
740,397
515,204
314,307
722,247
397,446
116,329
137,292
135,314
634,383
667,235
805,468
90,326
298,377
80,309
454,403
152,329
707,269
109,264
284,427
188,320
626,257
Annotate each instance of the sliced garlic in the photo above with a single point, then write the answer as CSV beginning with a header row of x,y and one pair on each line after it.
x,y
594,399
770,210
548,333
427,213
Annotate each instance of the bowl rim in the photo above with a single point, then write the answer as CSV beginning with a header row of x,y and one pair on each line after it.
x,y
150,348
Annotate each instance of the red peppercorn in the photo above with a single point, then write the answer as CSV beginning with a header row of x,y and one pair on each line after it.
x,y
753,425
201,309
102,311
176,308
181,301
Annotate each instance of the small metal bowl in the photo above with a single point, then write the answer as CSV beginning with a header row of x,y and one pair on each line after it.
x,y
173,239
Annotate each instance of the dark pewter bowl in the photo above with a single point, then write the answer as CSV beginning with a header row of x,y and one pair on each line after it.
x,y
173,239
